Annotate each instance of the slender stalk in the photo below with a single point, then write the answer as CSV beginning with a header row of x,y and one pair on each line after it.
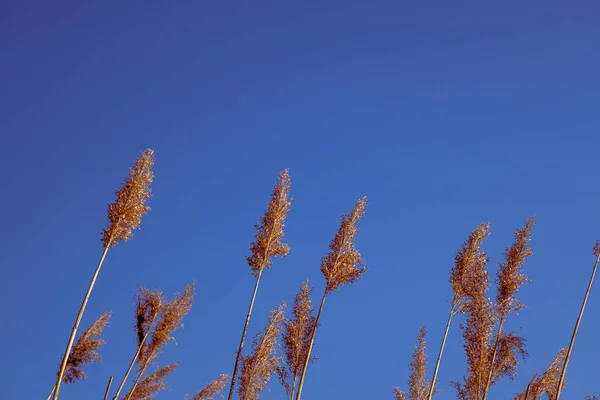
x,y
439,359
239,352
310,346
108,388
293,387
139,376
63,365
587,293
489,378
51,393
133,360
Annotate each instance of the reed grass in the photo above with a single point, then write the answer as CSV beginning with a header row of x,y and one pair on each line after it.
x,y
418,384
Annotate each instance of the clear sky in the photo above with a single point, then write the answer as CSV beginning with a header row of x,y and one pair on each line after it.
x,y
445,114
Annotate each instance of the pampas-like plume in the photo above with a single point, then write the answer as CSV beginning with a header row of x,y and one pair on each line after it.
x,y
147,308
296,339
342,265
418,385
467,257
546,382
267,244
124,215
509,279
596,251
152,384
169,319
214,388
258,367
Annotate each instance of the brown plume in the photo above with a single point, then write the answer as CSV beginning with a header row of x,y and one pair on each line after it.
x,y
85,350
343,264
296,339
214,388
152,384
125,213
269,232
258,367
545,383
148,307
418,384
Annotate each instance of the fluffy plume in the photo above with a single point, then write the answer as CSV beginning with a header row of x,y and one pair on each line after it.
x,y
296,339
85,351
596,248
510,273
125,213
212,389
418,384
152,384
147,308
547,382
169,319
269,232
343,264
258,367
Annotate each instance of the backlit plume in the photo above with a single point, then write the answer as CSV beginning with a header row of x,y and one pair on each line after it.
x,y
545,383
418,385
269,232
85,350
213,389
152,384
125,213
343,264
148,307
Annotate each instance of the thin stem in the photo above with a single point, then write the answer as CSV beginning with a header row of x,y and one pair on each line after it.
x,y
239,352
294,386
587,293
108,388
51,393
489,378
439,359
63,365
133,360
139,375
310,346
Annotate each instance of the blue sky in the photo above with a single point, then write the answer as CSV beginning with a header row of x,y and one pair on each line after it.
x,y
444,114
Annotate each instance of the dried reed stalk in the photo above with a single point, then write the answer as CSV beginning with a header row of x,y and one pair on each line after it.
x,y
85,351
124,215
267,244
108,388
214,388
296,339
418,385
258,367
509,279
466,258
341,266
151,384
596,251
147,309
546,382
169,319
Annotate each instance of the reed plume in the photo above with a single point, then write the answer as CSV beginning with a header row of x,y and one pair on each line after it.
x,y
509,279
169,319
341,266
267,244
546,382
124,215
418,385
152,384
596,251
214,388
296,339
468,256
147,308
258,367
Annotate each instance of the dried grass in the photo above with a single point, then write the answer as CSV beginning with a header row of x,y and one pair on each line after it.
x,y
418,384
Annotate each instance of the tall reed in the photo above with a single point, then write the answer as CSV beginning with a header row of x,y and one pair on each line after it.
x,y
546,382
214,388
418,384
342,265
267,244
596,251
124,215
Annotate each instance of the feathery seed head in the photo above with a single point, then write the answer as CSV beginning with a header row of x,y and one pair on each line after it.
x,y
269,232
152,384
596,248
343,264
148,307
125,213
214,388
418,384
547,382
86,350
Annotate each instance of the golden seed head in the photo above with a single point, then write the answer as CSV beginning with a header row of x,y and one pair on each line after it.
x,y
596,248
152,384
418,384
547,382
269,232
125,213
85,350
148,307
214,388
343,264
